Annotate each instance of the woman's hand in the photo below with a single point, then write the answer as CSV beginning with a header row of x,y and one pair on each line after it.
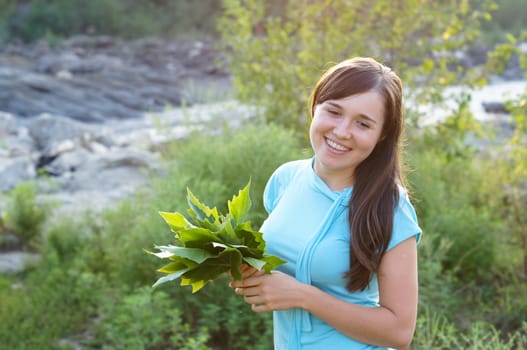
x,y
246,271
268,292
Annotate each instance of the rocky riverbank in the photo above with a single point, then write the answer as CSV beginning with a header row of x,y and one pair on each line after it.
x,y
87,113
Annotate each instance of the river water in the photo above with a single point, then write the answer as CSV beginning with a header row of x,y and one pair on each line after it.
x,y
492,93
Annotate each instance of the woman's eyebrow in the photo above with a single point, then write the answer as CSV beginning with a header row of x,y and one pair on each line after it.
x,y
364,116
334,104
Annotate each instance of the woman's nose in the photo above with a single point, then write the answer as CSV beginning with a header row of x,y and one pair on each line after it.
x,y
343,129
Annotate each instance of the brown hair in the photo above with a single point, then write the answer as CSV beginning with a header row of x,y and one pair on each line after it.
x,y
376,179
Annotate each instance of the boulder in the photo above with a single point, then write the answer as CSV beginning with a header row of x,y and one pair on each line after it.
x,y
16,170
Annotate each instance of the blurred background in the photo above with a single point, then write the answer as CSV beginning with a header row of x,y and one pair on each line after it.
x,y
110,109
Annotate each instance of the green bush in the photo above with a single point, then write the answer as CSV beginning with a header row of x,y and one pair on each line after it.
x,y
436,284
145,320
435,332
25,216
510,300
121,18
66,239
215,168
450,202
506,19
7,9
112,243
47,306
231,323
127,230
455,198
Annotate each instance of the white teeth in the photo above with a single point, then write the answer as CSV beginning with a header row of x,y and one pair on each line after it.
x,y
336,145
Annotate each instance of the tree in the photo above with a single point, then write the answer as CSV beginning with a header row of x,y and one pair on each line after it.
x,y
275,58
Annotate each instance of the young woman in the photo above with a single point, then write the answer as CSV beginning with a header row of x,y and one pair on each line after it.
x,y
343,222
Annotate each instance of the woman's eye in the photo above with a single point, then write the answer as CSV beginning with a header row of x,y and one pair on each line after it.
x,y
332,111
364,125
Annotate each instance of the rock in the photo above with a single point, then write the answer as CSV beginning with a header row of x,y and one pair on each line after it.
x,y
93,79
16,170
14,139
494,107
49,131
66,163
7,123
9,242
16,262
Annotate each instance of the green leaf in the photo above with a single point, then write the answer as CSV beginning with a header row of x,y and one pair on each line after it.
x,y
244,226
221,245
169,278
173,267
196,286
253,239
233,258
176,221
161,255
251,252
201,211
208,271
272,262
194,254
227,232
239,205
197,237
256,263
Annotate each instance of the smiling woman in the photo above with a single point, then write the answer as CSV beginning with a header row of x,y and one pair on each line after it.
x,y
343,222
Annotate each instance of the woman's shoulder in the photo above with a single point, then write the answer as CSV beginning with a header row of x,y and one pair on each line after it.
x,y
288,170
405,220
281,178
405,199
294,165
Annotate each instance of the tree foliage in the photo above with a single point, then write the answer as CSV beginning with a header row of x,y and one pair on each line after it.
x,y
275,59
54,19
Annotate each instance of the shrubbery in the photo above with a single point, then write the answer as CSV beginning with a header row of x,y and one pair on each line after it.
x,y
469,296
53,20
106,273
25,216
124,318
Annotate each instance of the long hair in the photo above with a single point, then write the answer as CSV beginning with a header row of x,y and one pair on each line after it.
x,y
377,178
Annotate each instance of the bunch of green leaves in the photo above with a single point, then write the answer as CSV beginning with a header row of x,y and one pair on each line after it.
x,y
208,243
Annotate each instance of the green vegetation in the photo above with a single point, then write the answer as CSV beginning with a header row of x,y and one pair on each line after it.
x,y
57,19
283,64
93,284
209,243
24,216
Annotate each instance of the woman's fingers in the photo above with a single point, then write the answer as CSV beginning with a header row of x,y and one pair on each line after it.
x,y
253,297
247,278
249,271
252,281
246,271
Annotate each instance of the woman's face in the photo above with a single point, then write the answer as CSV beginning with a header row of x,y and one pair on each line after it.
x,y
343,133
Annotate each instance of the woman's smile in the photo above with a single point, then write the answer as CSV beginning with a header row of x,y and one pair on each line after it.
x,y
334,146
